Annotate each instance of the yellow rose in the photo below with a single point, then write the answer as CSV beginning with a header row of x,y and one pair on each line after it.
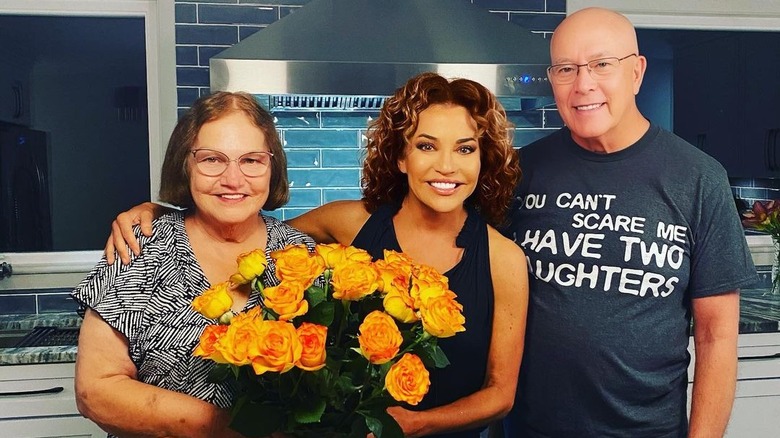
x,y
278,347
425,277
391,276
408,380
214,301
239,344
400,305
398,258
250,265
286,300
441,315
379,337
296,263
354,280
334,254
312,338
208,338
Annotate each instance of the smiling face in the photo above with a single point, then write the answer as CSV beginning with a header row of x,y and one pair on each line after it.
x,y
230,198
442,159
602,115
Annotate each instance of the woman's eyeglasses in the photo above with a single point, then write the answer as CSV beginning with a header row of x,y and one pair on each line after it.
x,y
214,163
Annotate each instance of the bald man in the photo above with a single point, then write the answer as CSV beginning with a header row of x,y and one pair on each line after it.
x,y
629,231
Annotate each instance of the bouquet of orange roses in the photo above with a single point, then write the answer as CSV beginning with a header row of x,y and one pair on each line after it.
x,y
333,345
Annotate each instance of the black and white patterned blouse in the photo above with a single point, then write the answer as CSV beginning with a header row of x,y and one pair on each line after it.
x,y
149,302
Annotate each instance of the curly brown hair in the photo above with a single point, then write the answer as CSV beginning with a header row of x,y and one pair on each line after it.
x,y
389,134
175,179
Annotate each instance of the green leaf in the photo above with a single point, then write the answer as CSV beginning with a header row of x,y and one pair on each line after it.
x,y
383,425
439,358
315,295
255,419
322,313
309,410
219,373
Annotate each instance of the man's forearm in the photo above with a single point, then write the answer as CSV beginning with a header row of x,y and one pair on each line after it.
x,y
714,385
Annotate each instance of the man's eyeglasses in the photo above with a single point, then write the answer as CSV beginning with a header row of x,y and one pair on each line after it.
x,y
214,163
599,69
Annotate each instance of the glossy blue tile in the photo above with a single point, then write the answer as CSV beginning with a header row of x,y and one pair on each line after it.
x,y
537,22
278,213
290,213
556,6
186,55
22,304
524,137
296,119
186,13
245,32
305,198
349,178
511,5
330,195
282,2
306,158
321,138
342,158
526,119
357,119
187,95
60,302
235,14
755,193
198,76
206,1
206,52
197,34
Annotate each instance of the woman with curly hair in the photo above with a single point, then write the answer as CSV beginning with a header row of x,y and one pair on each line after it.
x,y
438,176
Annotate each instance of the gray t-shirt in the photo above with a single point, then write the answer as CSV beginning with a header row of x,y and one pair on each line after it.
x,y
617,246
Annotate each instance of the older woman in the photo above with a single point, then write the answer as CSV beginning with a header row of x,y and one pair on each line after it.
x,y
135,373
439,176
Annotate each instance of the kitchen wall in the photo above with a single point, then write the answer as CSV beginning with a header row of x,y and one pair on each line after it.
x,y
323,148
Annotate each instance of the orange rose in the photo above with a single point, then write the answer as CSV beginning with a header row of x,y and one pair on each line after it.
x,y
334,254
391,276
425,277
400,305
208,338
312,337
278,347
250,265
296,263
398,258
214,301
239,344
408,380
354,280
379,337
440,313
286,300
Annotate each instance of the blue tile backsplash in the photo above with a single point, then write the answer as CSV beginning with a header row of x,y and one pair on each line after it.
x,y
323,147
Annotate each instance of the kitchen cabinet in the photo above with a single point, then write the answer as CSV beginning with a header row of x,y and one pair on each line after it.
x,y
756,411
14,89
729,104
45,414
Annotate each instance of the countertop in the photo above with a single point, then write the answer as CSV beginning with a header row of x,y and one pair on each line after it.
x,y
759,313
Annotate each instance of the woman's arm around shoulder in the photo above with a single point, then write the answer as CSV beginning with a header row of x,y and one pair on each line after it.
x,y
495,399
337,221
108,392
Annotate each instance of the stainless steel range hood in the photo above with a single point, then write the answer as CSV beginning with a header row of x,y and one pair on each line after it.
x,y
371,47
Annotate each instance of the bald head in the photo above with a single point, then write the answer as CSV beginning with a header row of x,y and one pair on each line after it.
x,y
612,28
